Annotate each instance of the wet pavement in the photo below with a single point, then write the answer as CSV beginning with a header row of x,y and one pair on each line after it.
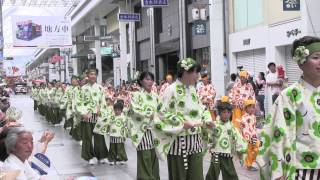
x,y
64,152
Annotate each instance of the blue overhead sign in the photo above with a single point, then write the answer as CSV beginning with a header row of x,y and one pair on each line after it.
x,y
129,17
154,3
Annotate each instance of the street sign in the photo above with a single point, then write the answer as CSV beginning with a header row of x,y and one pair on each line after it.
x,y
90,38
154,3
106,51
291,5
129,17
199,28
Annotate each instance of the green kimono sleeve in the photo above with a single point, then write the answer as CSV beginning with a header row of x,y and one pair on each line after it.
x,y
168,120
65,99
240,144
138,106
80,103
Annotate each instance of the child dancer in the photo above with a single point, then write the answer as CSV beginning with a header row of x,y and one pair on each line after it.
x,y
248,129
118,133
227,140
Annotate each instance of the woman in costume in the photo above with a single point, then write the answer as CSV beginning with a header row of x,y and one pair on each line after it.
x,y
291,140
142,111
178,128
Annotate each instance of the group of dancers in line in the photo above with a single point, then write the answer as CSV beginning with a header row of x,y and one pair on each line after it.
x,y
180,122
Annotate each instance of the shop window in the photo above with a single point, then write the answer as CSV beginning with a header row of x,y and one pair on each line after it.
x,y
247,13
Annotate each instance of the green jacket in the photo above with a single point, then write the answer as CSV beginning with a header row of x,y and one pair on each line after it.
x,y
91,99
179,103
141,111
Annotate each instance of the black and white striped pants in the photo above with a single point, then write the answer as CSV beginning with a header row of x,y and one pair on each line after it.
x,y
146,142
307,174
187,145
116,140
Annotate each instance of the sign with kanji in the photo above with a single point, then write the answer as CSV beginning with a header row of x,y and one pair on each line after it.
x,y
41,31
127,17
291,5
154,3
199,28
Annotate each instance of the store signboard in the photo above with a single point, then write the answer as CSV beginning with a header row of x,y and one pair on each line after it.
x,y
200,28
106,51
154,3
129,17
291,5
41,31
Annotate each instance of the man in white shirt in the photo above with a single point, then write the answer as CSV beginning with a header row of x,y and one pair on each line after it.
x,y
273,85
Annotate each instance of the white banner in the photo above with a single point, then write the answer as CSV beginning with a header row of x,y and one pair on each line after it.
x,y
41,31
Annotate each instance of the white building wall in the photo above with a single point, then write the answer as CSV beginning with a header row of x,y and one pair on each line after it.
x,y
272,38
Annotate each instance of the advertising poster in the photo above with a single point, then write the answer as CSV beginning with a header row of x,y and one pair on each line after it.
x,y
41,31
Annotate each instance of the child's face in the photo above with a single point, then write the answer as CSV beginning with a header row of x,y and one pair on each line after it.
x,y
225,115
109,102
117,112
251,109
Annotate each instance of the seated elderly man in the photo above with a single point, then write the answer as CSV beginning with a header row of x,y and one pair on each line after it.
x,y
19,145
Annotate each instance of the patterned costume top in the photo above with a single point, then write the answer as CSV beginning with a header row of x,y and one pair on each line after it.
x,y
227,139
291,139
239,93
163,88
142,110
248,127
91,99
207,94
180,103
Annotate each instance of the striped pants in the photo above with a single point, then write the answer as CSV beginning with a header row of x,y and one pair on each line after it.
x,y
308,174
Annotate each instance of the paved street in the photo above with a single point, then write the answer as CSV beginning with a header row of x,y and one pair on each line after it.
x,y
65,153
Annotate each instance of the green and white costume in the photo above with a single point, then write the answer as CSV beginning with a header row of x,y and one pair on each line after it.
x,y
226,142
142,110
291,139
91,101
180,104
35,96
57,96
118,133
66,103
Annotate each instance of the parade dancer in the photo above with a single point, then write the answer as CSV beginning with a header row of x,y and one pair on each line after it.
x,y
57,95
207,93
227,143
89,105
142,111
169,81
42,99
66,102
179,130
35,96
241,91
291,137
118,131
248,128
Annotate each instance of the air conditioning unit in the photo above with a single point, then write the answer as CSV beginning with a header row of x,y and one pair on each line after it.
x,y
203,14
195,14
